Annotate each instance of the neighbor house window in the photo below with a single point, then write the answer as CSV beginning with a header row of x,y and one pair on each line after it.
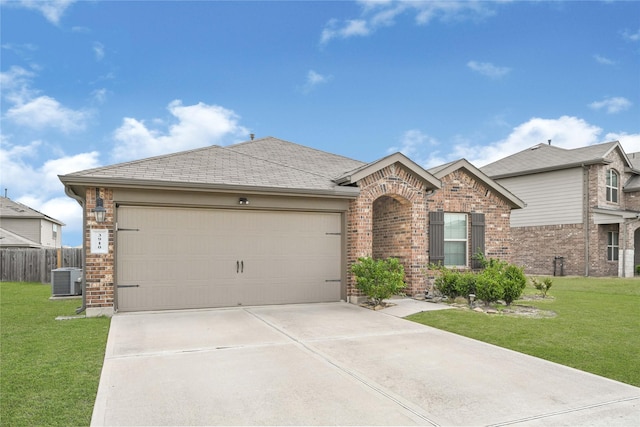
x,y
455,239
612,246
612,186
55,231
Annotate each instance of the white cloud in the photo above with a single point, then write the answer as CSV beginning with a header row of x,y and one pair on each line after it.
x,y
630,142
15,85
197,126
612,105
39,186
566,132
631,36
603,60
314,79
488,69
378,14
45,112
51,9
99,95
37,112
98,51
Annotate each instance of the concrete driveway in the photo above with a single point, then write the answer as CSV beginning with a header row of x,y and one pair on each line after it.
x,y
335,364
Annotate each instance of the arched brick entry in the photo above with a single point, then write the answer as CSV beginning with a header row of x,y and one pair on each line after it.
x,y
392,229
392,193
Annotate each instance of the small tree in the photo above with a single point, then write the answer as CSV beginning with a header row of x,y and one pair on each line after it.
x,y
543,286
379,279
514,282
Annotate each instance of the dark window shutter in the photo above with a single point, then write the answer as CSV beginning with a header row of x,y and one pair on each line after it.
x,y
436,237
477,237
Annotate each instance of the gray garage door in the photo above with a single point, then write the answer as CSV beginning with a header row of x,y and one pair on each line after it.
x,y
173,258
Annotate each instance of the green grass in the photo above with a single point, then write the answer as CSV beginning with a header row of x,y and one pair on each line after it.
x,y
49,369
597,327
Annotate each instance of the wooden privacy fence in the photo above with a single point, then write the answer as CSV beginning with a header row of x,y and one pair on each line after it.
x,y
35,265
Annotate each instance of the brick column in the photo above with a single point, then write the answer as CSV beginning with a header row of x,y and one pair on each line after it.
x,y
99,268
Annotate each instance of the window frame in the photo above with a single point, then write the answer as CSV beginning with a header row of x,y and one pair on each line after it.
x,y
613,246
457,240
613,191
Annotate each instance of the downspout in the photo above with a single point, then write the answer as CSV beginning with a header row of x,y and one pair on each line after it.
x,y
69,192
585,216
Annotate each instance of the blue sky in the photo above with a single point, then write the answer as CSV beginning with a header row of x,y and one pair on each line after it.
x,y
92,83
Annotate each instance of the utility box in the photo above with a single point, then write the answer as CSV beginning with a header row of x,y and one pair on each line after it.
x,y
66,281
558,266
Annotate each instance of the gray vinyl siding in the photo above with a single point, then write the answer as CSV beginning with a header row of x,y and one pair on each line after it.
x,y
29,228
551,198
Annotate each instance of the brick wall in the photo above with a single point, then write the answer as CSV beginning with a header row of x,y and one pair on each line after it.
x,y
535,248
99,268
390,218
407,193
462,193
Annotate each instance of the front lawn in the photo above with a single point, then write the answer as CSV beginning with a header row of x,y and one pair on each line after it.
x,y
49,369
597,327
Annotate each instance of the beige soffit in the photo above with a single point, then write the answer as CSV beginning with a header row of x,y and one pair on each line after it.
x,y
357,174
444,170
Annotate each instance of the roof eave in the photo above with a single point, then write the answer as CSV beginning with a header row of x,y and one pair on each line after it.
x,y
338,192
550,168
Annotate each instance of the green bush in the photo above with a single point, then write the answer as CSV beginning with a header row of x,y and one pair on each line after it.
x,y
543,286
379,279
638,269
453,284
513,284
498,280
488,288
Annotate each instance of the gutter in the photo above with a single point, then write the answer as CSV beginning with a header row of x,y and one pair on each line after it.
x,y
69,192
550,168
340,192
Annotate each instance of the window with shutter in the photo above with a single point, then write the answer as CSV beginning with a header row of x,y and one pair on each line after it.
x,y
436,237
477,237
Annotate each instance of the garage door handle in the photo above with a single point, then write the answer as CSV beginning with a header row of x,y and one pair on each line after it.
x,y
237,267
242,266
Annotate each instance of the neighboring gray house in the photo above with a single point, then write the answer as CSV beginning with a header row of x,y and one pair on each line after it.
x,y
24,227
582,205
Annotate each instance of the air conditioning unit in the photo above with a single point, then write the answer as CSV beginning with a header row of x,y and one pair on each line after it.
x,y
66,281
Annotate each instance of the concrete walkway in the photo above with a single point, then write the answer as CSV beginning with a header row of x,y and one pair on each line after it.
x,y
335,364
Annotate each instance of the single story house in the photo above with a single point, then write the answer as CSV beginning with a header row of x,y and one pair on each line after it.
x,y
272,222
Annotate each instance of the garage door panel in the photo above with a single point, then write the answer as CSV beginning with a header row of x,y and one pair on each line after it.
x,y
195,258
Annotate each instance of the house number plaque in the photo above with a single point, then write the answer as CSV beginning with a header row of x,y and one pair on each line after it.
x,y
100,241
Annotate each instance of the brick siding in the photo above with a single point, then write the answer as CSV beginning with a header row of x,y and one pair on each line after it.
x,y
99,268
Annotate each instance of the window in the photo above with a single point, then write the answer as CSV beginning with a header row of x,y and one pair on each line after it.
x,y
448,234
55,231
455,239
612,186
612,246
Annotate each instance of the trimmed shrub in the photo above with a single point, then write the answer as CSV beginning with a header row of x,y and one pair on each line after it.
x,y
488,288
513,284
379,279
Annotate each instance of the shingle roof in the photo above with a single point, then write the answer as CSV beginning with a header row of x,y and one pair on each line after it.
x,y
12,209
543,157
264,163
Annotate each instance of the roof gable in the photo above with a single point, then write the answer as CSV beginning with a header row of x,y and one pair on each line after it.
x,y
544,158
448,168
365,170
